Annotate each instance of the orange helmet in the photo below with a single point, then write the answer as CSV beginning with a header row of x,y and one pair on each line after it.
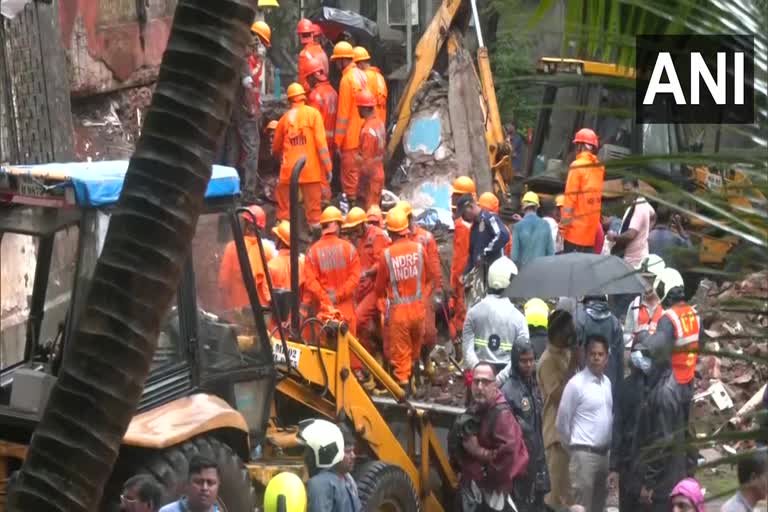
x,y
586,136
365,99
397,220
355,217
360,53
374,214
343,50
405,206
258,215
331,214
283,232
489,201
304,27
262,30
296,91
463,185
314,66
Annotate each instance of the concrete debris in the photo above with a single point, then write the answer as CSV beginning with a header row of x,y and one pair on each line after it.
x,y
734,317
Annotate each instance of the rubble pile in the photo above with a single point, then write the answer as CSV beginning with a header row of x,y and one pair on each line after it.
x,y
734,361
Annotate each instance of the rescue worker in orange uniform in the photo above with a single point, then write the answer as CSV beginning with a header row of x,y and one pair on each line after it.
x,y
233,295
434,274
376,83
373,145
583,195
460,186
401,279
300,132
370,242
332,271
311,51
489,201
280,265
348,120
326,100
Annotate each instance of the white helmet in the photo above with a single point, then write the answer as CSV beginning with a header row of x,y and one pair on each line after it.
x,y
500,273
324,439
667,279
652,264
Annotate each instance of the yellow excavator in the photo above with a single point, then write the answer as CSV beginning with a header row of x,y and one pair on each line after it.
x,y
446,30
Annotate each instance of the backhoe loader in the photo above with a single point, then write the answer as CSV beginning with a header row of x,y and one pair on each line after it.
x,y
444,37
211,388
579,93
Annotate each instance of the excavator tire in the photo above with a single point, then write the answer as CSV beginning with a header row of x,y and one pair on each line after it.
x,y
386,488
170,466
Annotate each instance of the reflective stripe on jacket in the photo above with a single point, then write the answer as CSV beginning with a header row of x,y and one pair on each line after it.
x,y
348,120
684,354
326,100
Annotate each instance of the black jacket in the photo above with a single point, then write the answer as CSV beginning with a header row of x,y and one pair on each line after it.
x,y
539,338
527,405
595,317
631,405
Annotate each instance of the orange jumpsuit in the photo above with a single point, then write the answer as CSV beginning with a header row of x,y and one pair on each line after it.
x,y
280,272
434,281
583,199
378,87
311,51
460,256
331,277
348,125
233,294
301,132
326,100
373,144
508,247
371,249
402,280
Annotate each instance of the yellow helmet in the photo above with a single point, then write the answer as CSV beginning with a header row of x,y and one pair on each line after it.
x,y
360,53
559,200
331,214
262,30
283,232
296,91
355,217
268,3
374,214
272,125
397,220
343,50
536,313
289,487
531,198
463,185
405,206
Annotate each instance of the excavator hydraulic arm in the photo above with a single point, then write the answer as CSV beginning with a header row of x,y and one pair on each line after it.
x,y
425,55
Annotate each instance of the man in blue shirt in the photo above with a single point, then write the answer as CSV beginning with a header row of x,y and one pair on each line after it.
x,y
532,236
202,488
487,237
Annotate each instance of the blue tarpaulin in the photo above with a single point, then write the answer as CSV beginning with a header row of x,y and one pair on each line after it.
x,y
100,183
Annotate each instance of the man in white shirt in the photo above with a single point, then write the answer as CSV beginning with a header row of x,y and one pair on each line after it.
x,y
584,422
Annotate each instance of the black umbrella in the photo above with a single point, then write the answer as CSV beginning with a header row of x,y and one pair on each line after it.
x,y
335,22
575,275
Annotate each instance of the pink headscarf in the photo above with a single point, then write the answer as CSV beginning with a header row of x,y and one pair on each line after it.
x,y
691,489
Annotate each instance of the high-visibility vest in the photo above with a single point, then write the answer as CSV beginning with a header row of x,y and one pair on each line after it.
x,y
643,320
405,269
685,352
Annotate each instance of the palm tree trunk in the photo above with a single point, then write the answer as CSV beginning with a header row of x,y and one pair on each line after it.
x,y
77,441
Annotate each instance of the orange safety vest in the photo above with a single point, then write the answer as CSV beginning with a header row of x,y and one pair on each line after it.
x,y
280,269
378,87
326,100
685,352
642,318
405,263
460,252
332,269
348,120
301,132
